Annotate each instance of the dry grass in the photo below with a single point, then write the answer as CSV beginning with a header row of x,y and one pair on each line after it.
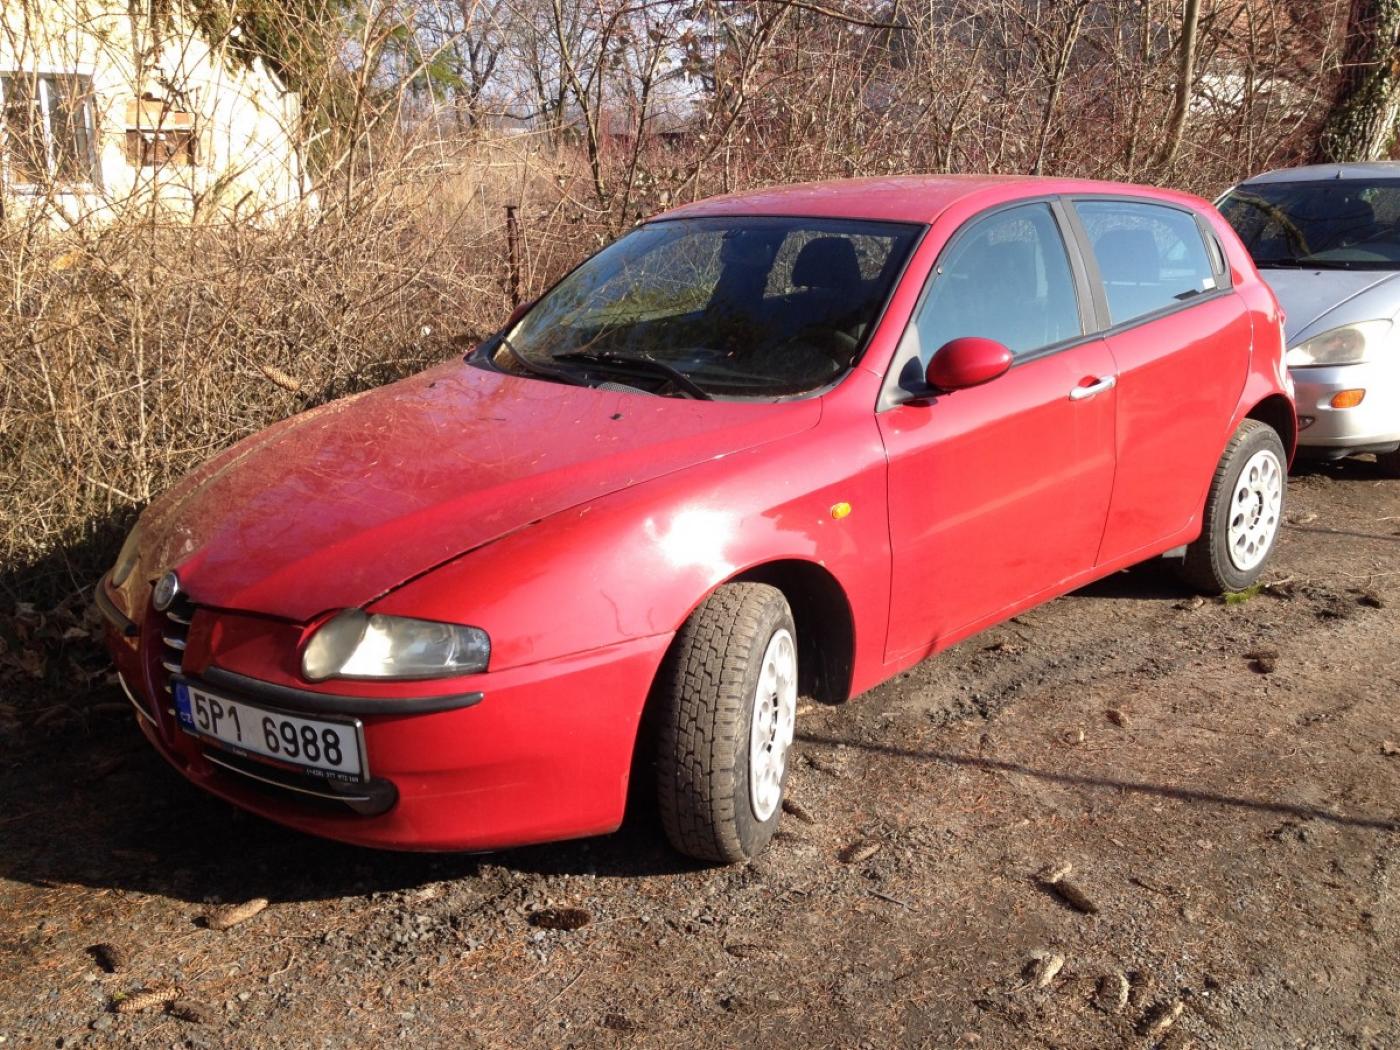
x,y
136,350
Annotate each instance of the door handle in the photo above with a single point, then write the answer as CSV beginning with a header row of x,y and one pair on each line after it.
x,y
1079,393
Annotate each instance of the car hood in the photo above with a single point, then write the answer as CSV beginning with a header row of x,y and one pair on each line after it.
x,y
333,508
1316,300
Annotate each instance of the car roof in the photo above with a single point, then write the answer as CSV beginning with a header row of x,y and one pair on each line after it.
x,y
908,198
1380,169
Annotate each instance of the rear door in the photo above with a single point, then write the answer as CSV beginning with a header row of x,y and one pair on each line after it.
x,y
1180,339
997,493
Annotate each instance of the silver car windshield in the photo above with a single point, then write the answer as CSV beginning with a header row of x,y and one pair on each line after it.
x,y
725,307
1339,223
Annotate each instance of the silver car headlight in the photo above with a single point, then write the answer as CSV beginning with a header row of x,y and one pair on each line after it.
x,y
126,557
356,644
1348,345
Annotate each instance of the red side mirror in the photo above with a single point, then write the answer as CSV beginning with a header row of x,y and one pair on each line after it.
x,y
968,361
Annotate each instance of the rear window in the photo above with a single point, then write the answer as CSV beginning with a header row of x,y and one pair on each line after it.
x,y
1150,256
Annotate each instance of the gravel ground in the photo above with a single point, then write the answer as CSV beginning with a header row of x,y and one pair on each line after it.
x,y
1220,777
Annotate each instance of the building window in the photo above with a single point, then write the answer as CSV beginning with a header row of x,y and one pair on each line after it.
x,y
48,131
157,135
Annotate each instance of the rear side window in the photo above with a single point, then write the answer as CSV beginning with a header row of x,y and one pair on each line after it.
x,y
1150,256
1007,278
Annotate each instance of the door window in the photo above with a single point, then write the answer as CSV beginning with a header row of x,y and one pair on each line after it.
x,y
1008,278
1150,256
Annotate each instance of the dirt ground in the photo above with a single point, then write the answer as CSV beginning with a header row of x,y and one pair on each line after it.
x,y
1224,778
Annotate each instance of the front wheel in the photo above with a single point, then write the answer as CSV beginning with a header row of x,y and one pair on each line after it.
x,y
1243,512
725,710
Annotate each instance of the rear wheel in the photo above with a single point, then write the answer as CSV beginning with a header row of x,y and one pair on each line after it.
x,y
1243,513
725,713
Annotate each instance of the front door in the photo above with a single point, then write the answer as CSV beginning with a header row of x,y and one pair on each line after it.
x,y
997,493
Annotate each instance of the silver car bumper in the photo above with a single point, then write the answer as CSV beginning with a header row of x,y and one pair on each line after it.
x,y
1371,426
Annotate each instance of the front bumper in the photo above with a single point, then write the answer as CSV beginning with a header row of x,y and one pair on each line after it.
x,y
1373,425
544,752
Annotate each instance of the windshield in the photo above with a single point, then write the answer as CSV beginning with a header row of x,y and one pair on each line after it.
x,y
732,307
1341,223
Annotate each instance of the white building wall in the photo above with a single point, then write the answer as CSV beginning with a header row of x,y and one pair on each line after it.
x,y
247,161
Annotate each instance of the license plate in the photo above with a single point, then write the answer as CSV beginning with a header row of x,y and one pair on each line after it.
x,y
333,750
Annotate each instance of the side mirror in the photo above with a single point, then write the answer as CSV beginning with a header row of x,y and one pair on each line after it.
x,y
967,361
519,312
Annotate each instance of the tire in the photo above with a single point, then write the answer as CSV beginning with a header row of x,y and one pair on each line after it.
x,y
1389,463
1243,513
712,805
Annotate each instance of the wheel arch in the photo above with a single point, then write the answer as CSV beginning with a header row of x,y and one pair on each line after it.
x,y
1277,411
825,624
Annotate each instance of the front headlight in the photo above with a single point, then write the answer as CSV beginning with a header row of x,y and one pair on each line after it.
x,y
126,558
1348,345
355,644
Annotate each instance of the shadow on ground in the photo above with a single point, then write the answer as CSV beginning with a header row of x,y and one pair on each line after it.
x,y
1177,792
95,806
1155,580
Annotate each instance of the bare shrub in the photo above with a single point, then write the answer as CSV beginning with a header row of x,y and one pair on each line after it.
x,y
132,351
135,350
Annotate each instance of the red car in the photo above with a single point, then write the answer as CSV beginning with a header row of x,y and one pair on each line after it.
x,y
786,442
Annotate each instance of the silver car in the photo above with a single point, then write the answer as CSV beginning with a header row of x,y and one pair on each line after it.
x,y
1327,240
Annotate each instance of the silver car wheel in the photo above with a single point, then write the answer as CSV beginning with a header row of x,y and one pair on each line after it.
x,y
774,717
1255,510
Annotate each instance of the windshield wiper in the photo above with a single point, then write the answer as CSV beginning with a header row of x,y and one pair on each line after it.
x,y
535,368
622,362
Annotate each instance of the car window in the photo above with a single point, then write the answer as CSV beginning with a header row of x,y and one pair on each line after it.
x,y
1150,256
735,306
1008,278
1341,223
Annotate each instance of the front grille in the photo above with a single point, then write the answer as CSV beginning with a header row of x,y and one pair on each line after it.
x,y
173,627
164,636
